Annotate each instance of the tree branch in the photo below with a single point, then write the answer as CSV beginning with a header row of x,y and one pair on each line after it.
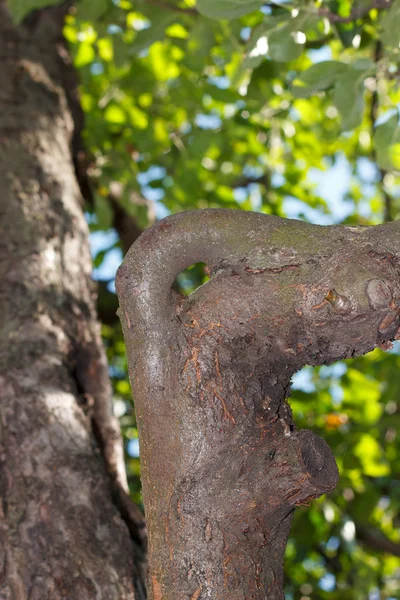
x,y
128,231
332,562
125,225
356,13
376,540
231,349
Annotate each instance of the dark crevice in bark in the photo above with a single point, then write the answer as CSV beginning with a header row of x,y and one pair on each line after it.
x,y
130,513
92,382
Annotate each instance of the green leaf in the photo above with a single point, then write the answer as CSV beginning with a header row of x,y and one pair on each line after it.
x,y
155,32
115,114
391,25
319,77
200,42
363,64
98,259
221,95
348,83
257,46
227,9
91,9
85,55
282,46
386,136
19,9
371,456
138,117
348,95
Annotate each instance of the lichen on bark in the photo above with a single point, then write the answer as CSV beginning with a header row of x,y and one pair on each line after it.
x,y
223,466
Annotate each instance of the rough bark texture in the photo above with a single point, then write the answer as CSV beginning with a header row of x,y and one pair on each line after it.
x,y
62,481
223,466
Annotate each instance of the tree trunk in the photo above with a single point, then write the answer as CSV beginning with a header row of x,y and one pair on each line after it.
x,y
223,466
68,529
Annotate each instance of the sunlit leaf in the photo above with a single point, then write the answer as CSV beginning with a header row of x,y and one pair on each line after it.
x,y
85,54
371,456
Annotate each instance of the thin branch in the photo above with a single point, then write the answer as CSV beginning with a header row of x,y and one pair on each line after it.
x,y
125,224
376,540
356,13
245,181
332,562
317,44
387,199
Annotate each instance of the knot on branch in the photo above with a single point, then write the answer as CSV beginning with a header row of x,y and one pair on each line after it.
x,y
319,463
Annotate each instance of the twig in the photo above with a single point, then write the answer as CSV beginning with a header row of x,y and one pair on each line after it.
x,y
245,181
356,13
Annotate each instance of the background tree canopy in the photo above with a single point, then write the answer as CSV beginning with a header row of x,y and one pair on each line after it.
x,y
288,108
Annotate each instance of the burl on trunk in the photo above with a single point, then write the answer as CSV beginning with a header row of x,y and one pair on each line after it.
x,y
223,465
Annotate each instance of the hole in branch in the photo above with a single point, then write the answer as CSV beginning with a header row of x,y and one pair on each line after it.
x,y
188,280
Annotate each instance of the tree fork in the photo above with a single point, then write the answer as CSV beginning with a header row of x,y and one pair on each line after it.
x,y
223,466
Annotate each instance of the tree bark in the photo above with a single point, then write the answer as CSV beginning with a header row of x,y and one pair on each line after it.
x,y
68,529
223,466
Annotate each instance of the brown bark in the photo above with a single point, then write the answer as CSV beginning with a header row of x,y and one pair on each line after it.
x,y
223,466
68,529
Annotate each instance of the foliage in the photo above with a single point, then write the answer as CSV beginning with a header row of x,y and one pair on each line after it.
x,y
193,111
254,106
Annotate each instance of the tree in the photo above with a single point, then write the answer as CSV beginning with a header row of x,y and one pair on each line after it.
x,y
236,106
68,528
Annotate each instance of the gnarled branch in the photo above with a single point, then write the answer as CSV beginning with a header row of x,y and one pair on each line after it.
x,y
222,463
